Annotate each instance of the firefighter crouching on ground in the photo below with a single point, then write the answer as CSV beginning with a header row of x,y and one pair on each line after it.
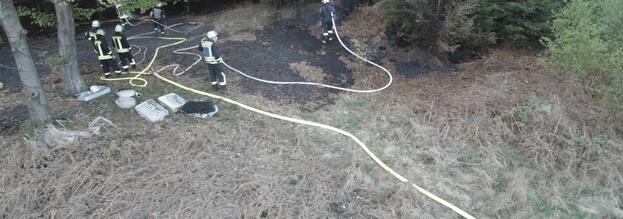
x,y
157,14
104,54
212,54
123,49
327,11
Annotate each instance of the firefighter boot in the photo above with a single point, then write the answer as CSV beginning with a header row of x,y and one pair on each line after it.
x,y
325,37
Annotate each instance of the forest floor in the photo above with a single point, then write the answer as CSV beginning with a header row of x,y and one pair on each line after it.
x,y
500,137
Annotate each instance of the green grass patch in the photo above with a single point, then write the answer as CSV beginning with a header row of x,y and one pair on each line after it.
x,y
352,105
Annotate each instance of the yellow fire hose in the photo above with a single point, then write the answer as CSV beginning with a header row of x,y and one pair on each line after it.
x,y
138,75
284,118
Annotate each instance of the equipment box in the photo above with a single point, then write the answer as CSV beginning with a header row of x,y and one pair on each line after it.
x,y
151,110
172,102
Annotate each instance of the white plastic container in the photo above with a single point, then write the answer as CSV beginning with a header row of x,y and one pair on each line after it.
x,y
126,99
172,102
94,92
151,110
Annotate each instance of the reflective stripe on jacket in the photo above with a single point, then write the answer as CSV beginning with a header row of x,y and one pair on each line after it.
x,y
211,51
101,48
120,43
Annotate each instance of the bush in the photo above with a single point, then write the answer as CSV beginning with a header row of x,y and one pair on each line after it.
x,y
459,28
47,20
448,25
522,23
587,42
416,21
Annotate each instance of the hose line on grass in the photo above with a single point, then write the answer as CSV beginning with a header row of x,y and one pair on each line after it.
x,y
389,83
137,80
139,74
365,148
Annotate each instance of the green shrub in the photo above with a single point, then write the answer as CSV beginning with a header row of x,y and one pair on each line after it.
x,y
522,23
47,20
448,25
39,18
587,42
459,28
416,21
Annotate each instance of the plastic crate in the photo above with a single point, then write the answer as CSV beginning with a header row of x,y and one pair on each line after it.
x,y
151,110
88,95
172,102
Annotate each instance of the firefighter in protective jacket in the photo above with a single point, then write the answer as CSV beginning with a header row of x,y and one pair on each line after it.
x,y
123,14
123,49
157,15
104,54
92,33
212,55
327,11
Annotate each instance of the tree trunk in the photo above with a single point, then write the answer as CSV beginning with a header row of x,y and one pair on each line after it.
x,y
72,81
37,100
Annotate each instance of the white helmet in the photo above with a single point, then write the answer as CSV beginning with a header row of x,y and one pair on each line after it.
x,y
159,5
95,23
100,32
211,34
325,1
119,28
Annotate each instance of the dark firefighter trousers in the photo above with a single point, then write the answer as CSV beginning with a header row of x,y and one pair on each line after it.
x,y
107,64
327,27
126,59
159,25
217,76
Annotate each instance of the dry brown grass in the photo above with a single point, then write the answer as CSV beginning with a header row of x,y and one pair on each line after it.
x,y
242,21
309,72
367,76
248,166
366,24
526,141
506,160
243,17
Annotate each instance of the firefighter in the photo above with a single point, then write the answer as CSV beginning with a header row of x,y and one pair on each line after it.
x,y
104,54
157,15
327,11
212,54
123,49
122,14
92,33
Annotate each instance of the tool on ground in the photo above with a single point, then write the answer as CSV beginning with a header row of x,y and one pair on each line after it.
x,y
94,91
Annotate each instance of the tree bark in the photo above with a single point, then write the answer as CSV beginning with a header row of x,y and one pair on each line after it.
x,y
37,99
72,80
